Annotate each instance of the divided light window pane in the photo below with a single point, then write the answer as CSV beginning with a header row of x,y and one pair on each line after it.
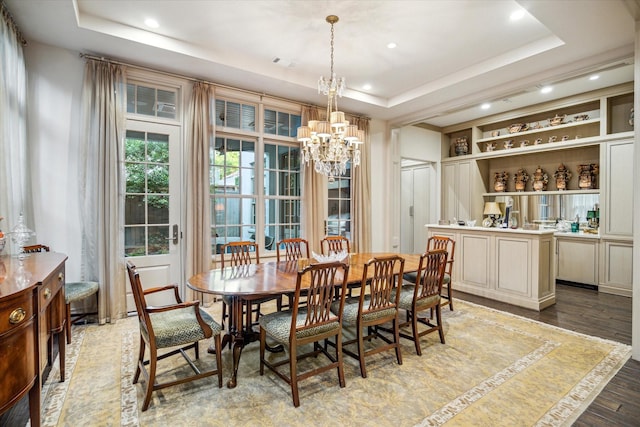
x,y
151,101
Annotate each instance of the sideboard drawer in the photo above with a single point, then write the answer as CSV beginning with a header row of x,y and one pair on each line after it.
x,y
16,310
50,287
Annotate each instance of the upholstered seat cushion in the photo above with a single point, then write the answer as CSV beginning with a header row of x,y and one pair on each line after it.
x,y
350,312
411,277
406,299
75,291
180,326
278,326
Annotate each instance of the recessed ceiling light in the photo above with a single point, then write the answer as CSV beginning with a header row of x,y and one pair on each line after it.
x,y
517,15
392,45
594,77
546,89
485,106
366,86
151,23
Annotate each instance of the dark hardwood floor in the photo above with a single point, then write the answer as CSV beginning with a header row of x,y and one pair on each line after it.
x,y
606,316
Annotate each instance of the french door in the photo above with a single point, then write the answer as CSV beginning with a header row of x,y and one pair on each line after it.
x,y
152,201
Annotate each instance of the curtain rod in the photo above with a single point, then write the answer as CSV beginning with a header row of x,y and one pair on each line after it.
x,y
12,24
193,79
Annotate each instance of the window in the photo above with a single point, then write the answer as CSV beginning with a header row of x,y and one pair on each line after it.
x,y
151,101
283,187
235,115
250,200
281,123
147,193
232,180
338,222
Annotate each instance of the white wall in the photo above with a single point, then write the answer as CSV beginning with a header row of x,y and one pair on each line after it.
x,y
53,125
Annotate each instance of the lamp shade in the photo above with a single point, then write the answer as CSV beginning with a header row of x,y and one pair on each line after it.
x,y
492,208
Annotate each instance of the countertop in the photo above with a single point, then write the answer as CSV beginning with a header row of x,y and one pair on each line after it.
x,y
492,229
564,234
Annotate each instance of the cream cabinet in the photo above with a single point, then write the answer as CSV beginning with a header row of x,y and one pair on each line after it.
x,y
512,266
462,188
577,259
617,210
617,267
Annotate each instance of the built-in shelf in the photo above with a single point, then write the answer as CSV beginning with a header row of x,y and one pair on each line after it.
x,y
542,193
539,130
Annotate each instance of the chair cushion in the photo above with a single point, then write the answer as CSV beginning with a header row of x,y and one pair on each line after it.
x,y
180,326
278,326
411,277
350,313
75,291
406,299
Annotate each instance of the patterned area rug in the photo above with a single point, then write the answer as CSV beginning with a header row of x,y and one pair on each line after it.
x,y
496,369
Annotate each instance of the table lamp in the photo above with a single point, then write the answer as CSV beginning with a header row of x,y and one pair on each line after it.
x,y
493,212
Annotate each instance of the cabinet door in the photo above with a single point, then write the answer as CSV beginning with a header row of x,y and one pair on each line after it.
x,y
618,200
449,191
456,192
577,261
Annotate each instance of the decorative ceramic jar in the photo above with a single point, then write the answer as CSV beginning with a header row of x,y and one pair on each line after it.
x,y
508,144
491,146
518,127
562,176
537,141
524,143
581,117
540,180
500,184
553,138
462,146
521,177
557,120
587,176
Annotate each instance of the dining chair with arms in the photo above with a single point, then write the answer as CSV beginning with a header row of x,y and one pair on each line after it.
x,y
235,254
423,295
181,325
448,244
73,292
334,244
308,321
376,305
291,249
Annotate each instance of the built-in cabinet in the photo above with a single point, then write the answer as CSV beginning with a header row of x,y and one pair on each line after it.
x,y
593,130
513,266
577,259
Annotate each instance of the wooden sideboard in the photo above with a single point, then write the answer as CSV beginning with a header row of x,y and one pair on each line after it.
x,y
32,320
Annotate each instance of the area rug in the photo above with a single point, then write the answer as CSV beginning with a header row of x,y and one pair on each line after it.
x,y
496,369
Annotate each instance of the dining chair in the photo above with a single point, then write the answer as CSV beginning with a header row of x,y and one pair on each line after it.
x,y
376,305
334,244
235,254
308,322
73,292
291,249
180,325
423,295
448,244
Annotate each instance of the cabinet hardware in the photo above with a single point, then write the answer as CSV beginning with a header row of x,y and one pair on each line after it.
x,y
17,316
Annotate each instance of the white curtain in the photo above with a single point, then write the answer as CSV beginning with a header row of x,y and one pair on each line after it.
x,y
15,196
198,227
101,184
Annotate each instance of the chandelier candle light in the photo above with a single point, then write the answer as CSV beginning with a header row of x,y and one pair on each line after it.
x,y
332,142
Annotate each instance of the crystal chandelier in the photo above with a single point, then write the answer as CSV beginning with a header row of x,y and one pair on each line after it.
x,y
332,142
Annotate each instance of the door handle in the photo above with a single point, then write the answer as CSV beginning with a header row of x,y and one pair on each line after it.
x,y
174,235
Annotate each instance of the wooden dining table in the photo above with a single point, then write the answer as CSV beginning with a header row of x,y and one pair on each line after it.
x,y
256,281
